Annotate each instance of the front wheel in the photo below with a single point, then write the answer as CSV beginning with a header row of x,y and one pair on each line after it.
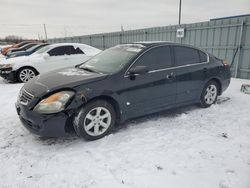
x,y
209,94
95,120
25,74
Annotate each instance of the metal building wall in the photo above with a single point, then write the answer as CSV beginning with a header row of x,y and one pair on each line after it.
x,y
225,38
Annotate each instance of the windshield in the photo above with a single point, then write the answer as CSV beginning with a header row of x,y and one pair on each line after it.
x,y
24,46
112,60
42,50
36,47
33,47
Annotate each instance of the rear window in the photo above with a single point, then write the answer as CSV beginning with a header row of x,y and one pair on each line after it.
x,y
186,55
203,56
76,50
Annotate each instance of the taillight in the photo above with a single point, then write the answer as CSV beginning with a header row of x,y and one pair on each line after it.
x,y
225,63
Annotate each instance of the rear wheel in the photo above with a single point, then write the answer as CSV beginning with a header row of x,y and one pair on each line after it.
x,y
209,94
95,120
25,74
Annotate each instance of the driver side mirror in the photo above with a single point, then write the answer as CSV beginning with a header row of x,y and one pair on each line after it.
x,y
46,56
138,70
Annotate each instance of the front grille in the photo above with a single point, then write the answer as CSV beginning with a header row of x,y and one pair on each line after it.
x,y
25,97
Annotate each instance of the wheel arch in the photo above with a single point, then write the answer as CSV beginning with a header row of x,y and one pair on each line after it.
x,y
23,67
27,66
217,80
113,102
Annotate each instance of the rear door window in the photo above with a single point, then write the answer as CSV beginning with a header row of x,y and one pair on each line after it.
x,y
203,56
156,58
61,50
76,50
186,55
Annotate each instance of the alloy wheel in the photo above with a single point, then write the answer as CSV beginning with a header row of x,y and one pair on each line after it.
x,y
211,94
26,74
97,121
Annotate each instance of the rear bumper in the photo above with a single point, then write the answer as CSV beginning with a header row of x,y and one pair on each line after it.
x,y
225,75
225,85
8,74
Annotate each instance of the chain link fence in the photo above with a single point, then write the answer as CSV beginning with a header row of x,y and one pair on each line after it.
x,y
226,38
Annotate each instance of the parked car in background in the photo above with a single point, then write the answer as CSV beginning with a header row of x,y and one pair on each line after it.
x,y
2,57
23,48
5,50
27,52
120,83
46,59
4,46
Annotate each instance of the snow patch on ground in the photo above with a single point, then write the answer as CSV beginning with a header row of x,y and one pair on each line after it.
x,y
187,147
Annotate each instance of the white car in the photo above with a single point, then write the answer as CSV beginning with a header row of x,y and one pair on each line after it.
x,y
2,57
48,58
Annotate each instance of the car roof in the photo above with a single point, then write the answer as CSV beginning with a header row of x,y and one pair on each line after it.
x,y
86,48
72,44
156,43
42,44
26,42
148,44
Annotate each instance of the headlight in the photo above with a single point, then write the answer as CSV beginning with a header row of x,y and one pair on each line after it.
x,y
4,66
54,103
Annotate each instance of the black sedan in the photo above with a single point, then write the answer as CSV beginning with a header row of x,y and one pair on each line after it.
x,y
123,82
27,52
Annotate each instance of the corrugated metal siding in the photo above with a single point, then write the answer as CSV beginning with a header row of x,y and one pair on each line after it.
x,y
221,37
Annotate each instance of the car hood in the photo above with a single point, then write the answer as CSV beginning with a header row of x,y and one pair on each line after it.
x,y
14,60
61,79
20,59
19,53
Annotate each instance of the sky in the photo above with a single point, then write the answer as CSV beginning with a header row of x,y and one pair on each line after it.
x,y
80,17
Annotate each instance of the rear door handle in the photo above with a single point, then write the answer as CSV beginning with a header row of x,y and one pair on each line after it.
x,y
205,70
170,76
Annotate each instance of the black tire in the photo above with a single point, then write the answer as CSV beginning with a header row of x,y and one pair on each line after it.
x,y
81,121
203,99
20,77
